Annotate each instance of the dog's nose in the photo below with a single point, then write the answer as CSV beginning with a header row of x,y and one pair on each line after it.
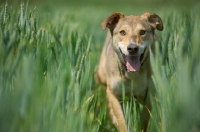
x,y
132,48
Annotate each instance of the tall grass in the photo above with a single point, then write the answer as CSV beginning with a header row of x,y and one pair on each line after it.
x,y
48,57
176,74
45,75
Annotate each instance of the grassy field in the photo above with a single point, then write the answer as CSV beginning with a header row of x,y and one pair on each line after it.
x,y
49,53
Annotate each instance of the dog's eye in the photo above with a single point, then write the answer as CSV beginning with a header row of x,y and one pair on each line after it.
x,y
142,32
122,32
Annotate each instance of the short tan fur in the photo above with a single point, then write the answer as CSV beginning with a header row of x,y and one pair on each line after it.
x,y
125,60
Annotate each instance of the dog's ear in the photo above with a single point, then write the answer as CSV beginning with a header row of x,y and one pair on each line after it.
x,y
154,20
112,21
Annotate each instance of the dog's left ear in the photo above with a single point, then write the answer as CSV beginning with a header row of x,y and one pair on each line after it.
x,y
154,20
112,21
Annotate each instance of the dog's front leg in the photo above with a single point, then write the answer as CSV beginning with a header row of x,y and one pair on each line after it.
x,y
115,110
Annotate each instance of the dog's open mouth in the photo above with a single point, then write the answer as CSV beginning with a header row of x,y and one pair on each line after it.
x,y
133,63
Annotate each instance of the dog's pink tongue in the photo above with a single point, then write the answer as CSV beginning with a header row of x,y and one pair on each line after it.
x,y
132,63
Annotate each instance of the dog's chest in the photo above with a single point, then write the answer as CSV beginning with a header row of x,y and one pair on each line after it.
x,y
133,83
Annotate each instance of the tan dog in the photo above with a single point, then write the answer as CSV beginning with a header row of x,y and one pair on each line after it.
x,y
125,61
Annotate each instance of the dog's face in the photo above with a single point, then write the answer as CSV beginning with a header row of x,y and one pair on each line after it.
x,y
131,36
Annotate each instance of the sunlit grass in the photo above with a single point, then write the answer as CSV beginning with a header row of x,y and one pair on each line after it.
x,y
48,58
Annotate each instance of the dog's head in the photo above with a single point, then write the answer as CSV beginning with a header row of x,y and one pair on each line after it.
x,y
132,35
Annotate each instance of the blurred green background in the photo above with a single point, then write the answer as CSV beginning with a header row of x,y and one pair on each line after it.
x,y
159,4
49,51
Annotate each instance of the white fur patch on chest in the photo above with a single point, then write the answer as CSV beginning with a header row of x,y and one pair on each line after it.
x,y
133,82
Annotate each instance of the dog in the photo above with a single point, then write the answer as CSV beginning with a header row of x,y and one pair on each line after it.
x,y
125,60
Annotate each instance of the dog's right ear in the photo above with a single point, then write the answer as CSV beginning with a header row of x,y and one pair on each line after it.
x,y
154,20
112,21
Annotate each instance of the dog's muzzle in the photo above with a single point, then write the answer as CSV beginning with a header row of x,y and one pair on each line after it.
x,y
132,63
